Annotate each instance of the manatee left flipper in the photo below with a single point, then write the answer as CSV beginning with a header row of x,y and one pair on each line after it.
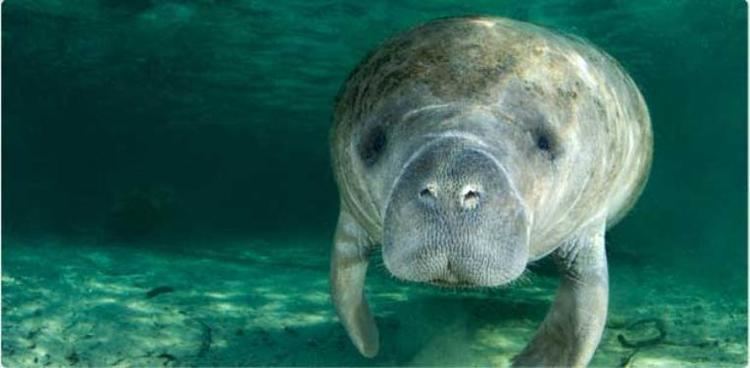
x,y
573,327
348,270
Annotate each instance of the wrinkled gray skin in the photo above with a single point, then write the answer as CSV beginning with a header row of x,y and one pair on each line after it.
x,y
469,147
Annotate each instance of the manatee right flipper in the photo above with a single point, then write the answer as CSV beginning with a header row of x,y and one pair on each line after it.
x,y
348,270
574,324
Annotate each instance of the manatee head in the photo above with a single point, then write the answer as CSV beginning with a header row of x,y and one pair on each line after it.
x,y
446,181
459,135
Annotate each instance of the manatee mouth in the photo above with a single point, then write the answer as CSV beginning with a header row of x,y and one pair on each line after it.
x,y
450,280
454,219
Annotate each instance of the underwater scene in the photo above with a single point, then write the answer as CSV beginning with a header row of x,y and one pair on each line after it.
x,y
169,196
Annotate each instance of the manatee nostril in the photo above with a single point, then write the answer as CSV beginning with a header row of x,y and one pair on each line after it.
x,y
471,195
470,198
428,192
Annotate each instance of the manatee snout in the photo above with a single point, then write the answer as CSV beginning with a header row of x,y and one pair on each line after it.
x,y
454,218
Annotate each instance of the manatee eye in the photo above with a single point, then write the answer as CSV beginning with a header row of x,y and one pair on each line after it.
x,y
546,141
542,142
372,145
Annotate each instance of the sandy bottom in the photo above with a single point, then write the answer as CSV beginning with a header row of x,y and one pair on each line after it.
x,y
256,303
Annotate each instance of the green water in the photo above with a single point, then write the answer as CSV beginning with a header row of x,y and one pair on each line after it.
x,y
183,144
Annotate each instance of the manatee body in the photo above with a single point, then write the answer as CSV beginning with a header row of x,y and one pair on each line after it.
x,y
468,147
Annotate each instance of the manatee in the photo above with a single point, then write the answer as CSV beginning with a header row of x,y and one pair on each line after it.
x,y
468,147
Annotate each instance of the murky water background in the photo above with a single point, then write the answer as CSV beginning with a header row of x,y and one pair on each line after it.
x,y
183,144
